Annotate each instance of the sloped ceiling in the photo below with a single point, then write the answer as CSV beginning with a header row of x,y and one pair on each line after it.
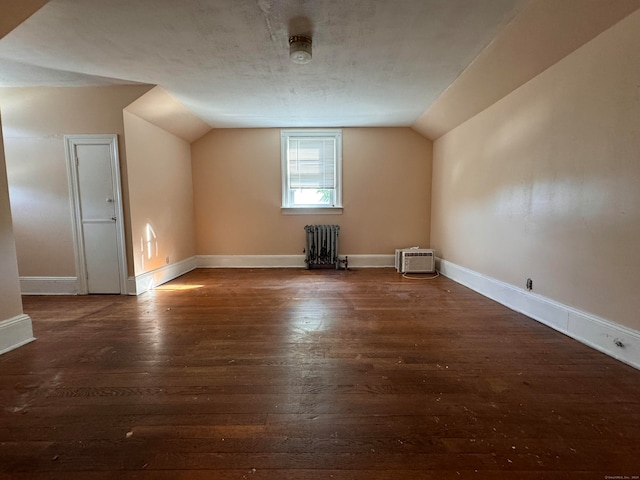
x,y
161,109
375,62
14,13
541,35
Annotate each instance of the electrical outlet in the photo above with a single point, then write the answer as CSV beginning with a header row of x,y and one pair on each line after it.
x,y
167,260
529,284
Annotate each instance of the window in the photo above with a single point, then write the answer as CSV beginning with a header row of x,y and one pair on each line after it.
x,y
311,169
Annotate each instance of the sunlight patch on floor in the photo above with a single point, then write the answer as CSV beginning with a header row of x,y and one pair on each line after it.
x,y
177,288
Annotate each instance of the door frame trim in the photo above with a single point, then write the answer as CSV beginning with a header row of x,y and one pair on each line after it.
x,y
70,142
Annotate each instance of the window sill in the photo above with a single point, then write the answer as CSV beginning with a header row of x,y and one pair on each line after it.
x,y
311,211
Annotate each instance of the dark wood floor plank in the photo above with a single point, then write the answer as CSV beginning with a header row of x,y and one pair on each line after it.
x,y
280,374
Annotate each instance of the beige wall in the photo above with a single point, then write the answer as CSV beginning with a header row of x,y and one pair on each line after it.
x,y
160,193
546,182
10,300
237,191
35,120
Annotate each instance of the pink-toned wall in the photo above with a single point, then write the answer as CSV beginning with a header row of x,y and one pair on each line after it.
x,y
10,300
237,192
545,183
160,195
35,121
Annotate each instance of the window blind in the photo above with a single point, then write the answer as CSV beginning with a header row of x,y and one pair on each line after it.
x,y
312,163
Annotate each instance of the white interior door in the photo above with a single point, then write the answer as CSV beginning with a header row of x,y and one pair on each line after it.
x,y
95,182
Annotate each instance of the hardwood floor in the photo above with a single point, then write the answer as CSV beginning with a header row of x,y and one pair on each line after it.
x,y
296,374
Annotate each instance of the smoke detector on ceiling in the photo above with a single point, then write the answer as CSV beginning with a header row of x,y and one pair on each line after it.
x,y
300,49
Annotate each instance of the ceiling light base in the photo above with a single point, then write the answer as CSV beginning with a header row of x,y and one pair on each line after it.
x,y
300,49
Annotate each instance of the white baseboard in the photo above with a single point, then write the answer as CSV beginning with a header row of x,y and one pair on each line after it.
x,y
286,261
613,339
49,285
250,261
15,332
149,280
371,261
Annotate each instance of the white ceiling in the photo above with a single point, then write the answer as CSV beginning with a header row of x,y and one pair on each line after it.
x,y
375,62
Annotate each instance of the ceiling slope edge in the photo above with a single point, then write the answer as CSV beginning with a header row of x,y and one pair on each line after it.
x,y
162,110
14,13
544,33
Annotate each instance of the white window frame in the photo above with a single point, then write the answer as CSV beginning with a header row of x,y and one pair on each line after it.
x,y
287,206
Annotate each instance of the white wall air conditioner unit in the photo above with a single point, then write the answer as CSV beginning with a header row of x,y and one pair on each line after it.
x,y
415,260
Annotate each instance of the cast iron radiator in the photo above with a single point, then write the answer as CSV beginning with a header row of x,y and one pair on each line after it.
x,y
322,245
